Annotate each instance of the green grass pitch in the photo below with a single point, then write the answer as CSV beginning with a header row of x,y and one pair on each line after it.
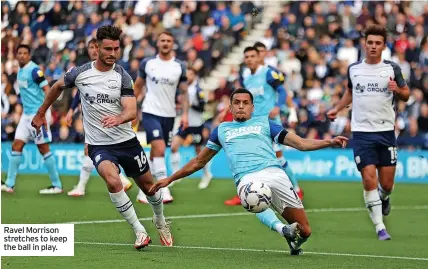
x,y
209,234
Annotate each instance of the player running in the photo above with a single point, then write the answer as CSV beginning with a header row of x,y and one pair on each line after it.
x,y
32,87
87,165
195,129
253,79
162,75
247,143
373,86
109,106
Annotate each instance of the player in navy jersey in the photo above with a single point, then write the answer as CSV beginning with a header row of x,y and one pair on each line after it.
x,y
162,75
247,143
32,86
373,86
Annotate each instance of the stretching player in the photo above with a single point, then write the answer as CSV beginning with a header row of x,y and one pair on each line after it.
x,y
162,74
87,165
196,126
373,85
32,86
247,143
109,106
263,101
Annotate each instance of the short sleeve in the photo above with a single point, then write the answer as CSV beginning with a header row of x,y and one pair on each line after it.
x,y
273,78
127,88
38,77
349,78
70,77
213,141
398,75
142,68
276,131
183,77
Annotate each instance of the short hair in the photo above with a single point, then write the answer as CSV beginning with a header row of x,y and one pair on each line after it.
x,y
259,44
167,33
242,90
25,46
191,68
92,41
250,49
108,32
376,29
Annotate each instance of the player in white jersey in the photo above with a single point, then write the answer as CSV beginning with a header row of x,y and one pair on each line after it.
x,y
162,76
247,143
195,129
109,106
32,86
373,86
87,165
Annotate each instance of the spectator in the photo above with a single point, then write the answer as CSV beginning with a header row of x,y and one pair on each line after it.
x,y
41,54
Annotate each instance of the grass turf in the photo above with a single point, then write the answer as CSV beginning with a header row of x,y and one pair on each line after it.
x,y
235,241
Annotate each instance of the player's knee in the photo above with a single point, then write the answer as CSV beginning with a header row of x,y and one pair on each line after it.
x,y
43,148
18,146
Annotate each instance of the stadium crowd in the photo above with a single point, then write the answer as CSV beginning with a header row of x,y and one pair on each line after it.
x,y
312,43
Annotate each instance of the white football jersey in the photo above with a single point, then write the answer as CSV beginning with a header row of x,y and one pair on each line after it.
x,y
162,80
373,104
100,95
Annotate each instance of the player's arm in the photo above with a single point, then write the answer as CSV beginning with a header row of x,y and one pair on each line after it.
x,y
128,102
139,89
275,79
398,85
280,135
39,78
195,164
345,101
185,100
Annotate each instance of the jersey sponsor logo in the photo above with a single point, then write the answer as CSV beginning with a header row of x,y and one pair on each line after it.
x,y
374,87
242,131
163,81
359,88
100,98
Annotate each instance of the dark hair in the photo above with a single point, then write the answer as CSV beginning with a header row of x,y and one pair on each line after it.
x,y
250,49
108,32
190,68
92,41
25,46
259,44
242,90
167,33
376,29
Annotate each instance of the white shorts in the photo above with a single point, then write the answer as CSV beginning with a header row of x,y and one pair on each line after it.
x,y
283,194
26,132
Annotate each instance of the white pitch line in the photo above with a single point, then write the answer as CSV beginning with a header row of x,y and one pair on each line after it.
x,y
267,250
315,210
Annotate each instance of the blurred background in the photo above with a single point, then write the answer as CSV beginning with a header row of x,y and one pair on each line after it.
x,y
311,42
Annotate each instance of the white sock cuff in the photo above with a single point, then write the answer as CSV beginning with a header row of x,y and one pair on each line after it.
x,y
87,163
383,191
159,168
282,160
372,198
175,156
119,197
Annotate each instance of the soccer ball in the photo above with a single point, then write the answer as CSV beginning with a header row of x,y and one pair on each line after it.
x,y
255,197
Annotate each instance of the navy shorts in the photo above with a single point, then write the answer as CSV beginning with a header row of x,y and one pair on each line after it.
x,y
129,154
377,148
157,127
196,133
